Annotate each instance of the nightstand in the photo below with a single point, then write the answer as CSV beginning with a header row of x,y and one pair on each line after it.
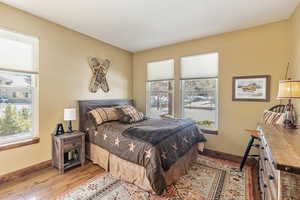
x,y
68,150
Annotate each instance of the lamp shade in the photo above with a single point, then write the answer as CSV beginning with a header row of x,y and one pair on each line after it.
x,y
69,114
289,89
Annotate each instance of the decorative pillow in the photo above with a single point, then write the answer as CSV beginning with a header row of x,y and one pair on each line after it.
x,y
102,115
125,119
281,119
270,117
130,114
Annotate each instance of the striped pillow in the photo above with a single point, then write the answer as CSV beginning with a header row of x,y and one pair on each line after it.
x,y
130,111
102,115
270,117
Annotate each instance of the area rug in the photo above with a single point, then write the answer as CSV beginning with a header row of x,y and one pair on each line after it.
x,y
207,179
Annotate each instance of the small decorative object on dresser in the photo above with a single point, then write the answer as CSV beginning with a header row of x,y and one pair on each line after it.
x,y
69,115
289,89
68,150
59,130
251,88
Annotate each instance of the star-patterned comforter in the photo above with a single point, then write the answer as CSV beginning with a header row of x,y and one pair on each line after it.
x,y
155,144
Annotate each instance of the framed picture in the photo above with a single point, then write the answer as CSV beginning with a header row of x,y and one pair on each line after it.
x,y
251,88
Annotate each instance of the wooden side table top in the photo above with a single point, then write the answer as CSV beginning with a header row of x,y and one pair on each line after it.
x,y
69,135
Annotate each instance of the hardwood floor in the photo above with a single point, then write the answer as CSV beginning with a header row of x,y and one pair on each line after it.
x,y
47,184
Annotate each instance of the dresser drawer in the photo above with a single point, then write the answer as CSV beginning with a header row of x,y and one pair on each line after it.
x,y
72,143
261,183
268,176
267,156
266,189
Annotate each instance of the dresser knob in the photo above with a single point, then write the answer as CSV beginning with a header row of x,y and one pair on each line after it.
x,y
271,177
287,168
266,159
265,186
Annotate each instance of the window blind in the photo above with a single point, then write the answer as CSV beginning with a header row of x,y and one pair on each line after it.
x,y
18,52
200,66
160,70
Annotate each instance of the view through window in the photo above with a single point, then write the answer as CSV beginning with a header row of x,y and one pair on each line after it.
x,y
18,91
200,89
160,88
160,98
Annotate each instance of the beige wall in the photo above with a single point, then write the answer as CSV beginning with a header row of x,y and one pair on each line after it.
x,y
65,75
64,78
295,50
259,50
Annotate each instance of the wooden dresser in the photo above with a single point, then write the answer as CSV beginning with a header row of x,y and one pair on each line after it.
x,y
279,171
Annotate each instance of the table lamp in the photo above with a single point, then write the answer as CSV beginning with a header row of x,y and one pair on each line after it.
x,y
289,89
69,115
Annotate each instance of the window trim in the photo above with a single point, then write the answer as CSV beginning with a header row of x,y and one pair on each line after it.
x,y
207,131
22,143
147,83
34,138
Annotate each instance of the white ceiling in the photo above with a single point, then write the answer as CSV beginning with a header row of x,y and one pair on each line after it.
x,y
137,25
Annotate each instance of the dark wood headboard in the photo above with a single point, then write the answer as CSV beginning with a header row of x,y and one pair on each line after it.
x,y
87,105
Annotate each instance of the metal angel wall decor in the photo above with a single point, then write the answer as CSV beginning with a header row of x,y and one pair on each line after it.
x,y
99,69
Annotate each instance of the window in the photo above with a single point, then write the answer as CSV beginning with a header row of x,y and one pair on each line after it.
x,y
199,83
18,87
160,83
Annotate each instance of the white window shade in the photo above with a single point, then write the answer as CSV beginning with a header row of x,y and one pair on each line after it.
x,y
161,70
18,52
200,66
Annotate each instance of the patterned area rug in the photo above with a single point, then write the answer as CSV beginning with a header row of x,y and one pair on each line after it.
x,y
208,179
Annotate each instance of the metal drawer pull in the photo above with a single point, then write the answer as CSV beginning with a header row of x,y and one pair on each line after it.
x,y
266,159
287,168
265,186
271,177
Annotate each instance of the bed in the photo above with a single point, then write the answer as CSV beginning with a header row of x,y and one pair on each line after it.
x,y
151,154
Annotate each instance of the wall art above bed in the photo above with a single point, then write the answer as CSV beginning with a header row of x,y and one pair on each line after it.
x,y
251,88
99,69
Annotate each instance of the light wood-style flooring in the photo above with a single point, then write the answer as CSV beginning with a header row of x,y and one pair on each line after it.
x,y
46,184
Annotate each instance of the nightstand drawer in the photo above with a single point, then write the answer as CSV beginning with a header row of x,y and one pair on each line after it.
x,y
73,143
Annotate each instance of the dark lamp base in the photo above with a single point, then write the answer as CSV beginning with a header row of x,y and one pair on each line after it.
x,y
293,126
70,127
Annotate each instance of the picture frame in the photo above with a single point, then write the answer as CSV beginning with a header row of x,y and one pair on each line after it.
x,y
251,88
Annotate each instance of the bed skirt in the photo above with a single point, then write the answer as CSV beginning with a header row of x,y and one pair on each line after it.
x,y
136,174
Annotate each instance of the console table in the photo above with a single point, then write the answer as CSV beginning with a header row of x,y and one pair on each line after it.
x,y
279,171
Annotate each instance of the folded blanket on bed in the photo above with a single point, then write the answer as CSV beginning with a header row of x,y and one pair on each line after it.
x,y
156,131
